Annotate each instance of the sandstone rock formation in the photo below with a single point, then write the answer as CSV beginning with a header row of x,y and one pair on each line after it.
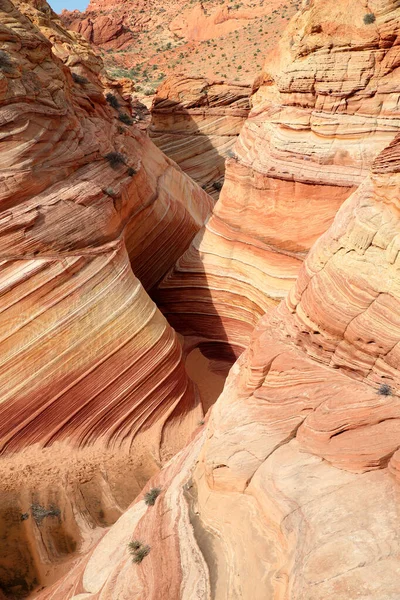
x,y
196,122
292,490
324,107
93,383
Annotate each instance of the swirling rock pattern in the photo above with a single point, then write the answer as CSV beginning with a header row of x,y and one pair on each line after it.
x,y
286,487
196,121
323,109
91,373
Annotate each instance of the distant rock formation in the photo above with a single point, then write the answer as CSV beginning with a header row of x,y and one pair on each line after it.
x,y
196,122
147,40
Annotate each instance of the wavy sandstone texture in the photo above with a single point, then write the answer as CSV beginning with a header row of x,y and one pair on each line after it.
x,y
292,491
196,122
324,107
92,378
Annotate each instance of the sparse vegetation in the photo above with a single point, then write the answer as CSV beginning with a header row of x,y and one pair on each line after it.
x,y
369,18
5,62
109,191
40,512
134,546
217,185
131,171
138,551
115,159
112,100
385,390
151,496
79,79
124,118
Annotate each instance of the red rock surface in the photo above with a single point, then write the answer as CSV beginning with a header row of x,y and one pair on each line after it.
x,y
324,107
196,122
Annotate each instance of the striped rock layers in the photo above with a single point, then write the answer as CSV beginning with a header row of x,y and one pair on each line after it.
x,y
324,107
292,492
196,122
93,386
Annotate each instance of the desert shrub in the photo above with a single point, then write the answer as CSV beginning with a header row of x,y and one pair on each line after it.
x,y
131,171
5,62
140,554
151,496
124,118
134,546
110,192
369,18
115,159
138,551
217,185
112,100
40,512
79,78
384,390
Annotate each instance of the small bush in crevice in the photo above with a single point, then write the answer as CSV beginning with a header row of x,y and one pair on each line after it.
x,y
40,512
369,18
124,118
385,390
110,192
138,551
112,100
79,78
151,496
131,171
115,159
121,129
217,185
5,62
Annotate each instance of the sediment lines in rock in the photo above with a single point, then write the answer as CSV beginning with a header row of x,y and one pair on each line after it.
x,y
196,121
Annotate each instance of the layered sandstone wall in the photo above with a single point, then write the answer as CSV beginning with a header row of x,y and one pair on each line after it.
x,y
324,107
196,122
94,392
